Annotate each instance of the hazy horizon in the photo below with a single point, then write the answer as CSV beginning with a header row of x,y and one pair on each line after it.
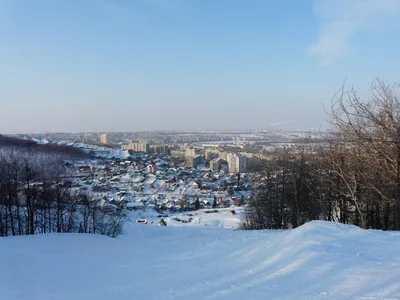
x,y
146,65
199,130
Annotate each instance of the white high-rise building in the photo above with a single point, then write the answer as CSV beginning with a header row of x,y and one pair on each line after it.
x,y
104,138
241,164
236,163
190,152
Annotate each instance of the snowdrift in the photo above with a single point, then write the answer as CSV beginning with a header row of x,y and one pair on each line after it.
x,y
320,260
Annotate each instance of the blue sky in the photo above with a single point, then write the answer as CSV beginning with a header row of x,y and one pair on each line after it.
x,y
127,65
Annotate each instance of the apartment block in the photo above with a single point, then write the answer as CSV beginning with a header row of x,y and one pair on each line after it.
x,y
137,147
104,138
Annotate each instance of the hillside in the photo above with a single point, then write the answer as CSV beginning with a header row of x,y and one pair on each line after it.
x,y
12,142
7,141
319,260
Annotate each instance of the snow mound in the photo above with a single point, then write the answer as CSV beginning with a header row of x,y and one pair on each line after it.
x,y
319,260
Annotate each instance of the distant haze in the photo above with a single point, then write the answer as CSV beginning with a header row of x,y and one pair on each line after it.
x,y
129,65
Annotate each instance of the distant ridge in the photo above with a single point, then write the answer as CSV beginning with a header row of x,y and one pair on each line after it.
x,y
12,142
6,141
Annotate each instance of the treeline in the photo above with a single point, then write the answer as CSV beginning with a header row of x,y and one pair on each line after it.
x,y
35,198
28,145
353,177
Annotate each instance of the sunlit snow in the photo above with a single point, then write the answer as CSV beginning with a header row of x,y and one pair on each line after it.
x,y
319,260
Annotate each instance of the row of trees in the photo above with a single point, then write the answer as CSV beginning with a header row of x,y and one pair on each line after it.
x,y
35,198
352,177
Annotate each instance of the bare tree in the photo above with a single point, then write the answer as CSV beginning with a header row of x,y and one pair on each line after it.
x,y
369,130
34,199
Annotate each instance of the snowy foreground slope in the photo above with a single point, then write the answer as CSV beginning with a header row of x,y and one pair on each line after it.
x,y
319,260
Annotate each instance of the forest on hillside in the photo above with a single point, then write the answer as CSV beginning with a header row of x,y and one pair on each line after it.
x,y
36,196
29,145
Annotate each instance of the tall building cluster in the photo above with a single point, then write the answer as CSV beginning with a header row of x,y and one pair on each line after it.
x,y
161,149
137,147
195,157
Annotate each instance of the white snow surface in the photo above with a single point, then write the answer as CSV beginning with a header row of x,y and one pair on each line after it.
x,y
319,260
193,218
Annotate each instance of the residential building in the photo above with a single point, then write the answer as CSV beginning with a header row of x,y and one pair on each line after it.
x,y
177,153
190,152
137,147
223,155
241,164
215,164
161,149
231,162
104,138
210,154
236,163
195,161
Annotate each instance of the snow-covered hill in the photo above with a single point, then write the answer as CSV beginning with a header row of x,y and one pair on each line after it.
x,y
319,260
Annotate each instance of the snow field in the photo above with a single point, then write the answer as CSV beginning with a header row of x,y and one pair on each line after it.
x,y
203,217
319,260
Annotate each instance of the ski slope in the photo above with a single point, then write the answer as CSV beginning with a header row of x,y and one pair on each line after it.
x,y
319,260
